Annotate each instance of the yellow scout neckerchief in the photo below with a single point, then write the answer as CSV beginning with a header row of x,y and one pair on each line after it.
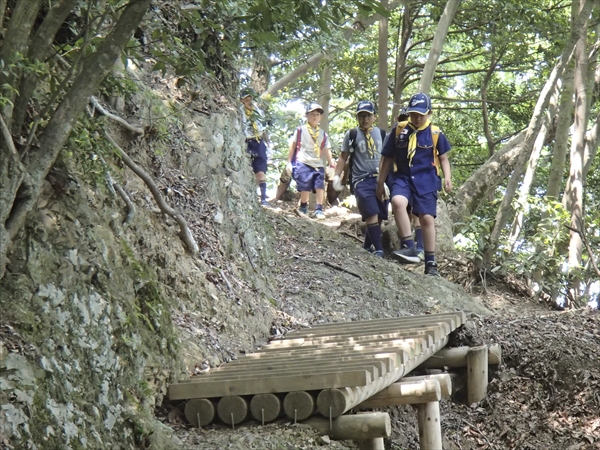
x,y
370,141
412,140
250,115
314,134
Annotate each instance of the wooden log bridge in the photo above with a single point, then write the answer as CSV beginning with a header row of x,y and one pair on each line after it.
x,y
329,368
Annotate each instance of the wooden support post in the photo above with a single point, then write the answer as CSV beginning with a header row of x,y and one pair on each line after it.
x,y
477,374
232,410
371,444
457,357
298,405
356,426
430,429
265,407
405,393
199,412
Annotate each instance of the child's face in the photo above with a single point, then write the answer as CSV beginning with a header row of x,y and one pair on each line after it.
x,y
365,120
247,101
313,117
418,120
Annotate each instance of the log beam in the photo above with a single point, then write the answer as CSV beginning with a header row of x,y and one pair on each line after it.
x,y
265,407
405,393
456,357
199,412
356,426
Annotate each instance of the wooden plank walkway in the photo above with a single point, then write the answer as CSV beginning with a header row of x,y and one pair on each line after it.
x,y
330,368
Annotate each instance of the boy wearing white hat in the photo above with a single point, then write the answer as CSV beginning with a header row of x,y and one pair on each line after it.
x,y
309,152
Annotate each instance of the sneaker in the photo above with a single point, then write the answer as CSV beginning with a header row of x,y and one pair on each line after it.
x,y
303,210
371,249
407,255
265,203
378,253
421,254
431,269
319,214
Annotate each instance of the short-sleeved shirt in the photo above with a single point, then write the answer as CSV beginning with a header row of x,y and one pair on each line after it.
x,y
306,153
257,117
422,172
364,163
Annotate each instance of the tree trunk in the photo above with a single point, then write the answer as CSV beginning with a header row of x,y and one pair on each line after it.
x,y
325,94
382,73
563,123
16,39
533,129
436,46
40,48
41,159
574,192
525,187
404,34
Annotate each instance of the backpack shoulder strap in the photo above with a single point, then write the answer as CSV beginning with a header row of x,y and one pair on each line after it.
x,y
435,134
383,134
353,134
325,137
298,136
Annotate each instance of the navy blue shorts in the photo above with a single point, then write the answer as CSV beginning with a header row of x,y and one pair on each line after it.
x,y
308,178
366,200
420,203
258,154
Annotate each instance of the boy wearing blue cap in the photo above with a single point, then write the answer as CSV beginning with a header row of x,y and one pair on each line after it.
x,y
417,156
363,146
253,119
309,152
403,117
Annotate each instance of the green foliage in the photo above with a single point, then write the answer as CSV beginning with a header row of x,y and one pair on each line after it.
x,y
90,149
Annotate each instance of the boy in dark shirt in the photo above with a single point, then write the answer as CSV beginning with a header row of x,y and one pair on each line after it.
x,y
415,178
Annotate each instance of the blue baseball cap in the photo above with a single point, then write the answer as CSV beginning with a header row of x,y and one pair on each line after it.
x,y
315,107
419,103
365,106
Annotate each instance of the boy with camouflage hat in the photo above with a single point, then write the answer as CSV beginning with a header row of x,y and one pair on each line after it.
x,y
254,123
309,152
363,146
416,179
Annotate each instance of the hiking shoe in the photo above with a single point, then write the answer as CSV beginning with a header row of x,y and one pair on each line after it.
x,y
431,269
303,210
378,253
421,254
319,214
407,255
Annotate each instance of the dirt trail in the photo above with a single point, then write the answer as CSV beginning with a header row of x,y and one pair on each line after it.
x,y
544,395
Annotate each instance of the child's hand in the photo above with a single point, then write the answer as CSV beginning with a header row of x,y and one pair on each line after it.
x,y
337,183
448,184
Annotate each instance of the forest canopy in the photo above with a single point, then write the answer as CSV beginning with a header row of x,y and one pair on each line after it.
x,y
514,87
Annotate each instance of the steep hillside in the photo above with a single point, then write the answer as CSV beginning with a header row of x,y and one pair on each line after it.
x,y
103,303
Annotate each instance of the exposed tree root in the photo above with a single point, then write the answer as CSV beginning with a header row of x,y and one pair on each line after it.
x,y
186,234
